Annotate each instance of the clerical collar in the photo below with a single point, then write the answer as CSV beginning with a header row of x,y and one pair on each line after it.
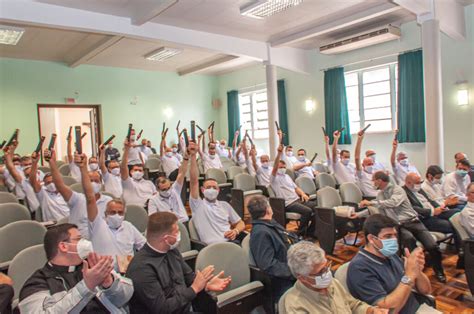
x,y
63,269
154,249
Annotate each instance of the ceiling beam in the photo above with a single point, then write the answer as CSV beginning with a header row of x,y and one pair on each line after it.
x,y
148,10
102,45
350,20
206,65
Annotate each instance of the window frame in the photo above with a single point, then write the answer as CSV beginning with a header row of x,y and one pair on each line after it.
x,y
253,118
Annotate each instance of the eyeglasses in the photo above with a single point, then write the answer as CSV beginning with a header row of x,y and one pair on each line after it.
x,y
324,270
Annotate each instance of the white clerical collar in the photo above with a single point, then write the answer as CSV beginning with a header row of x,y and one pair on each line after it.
x,y
154,249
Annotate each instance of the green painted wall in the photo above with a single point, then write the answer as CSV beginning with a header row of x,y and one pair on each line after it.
x,y
24,84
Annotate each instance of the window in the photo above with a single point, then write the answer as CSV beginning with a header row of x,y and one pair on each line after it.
x,y
254,114
372,97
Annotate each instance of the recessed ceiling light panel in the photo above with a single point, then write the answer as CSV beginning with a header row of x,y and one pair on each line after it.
x,y
260,9
163,53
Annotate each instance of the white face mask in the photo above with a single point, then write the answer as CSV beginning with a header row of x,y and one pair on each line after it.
x,y
212,156
301,158
416,188
210,194
323,281
93,167
281,170
437,181
345,161
83,247
169,154
176,244
51,188
115,171
369,169
137,175
404,162
373,157
289,154
175,150
114,221
96,187
265,165
165,194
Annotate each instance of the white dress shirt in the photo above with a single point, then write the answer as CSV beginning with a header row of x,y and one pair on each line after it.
x,y
172,204
456,185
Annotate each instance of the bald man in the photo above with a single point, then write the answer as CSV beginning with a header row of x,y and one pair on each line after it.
x,y
365,171
377,165
401,166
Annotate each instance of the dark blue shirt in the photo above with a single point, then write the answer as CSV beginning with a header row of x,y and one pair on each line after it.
x,y
371,278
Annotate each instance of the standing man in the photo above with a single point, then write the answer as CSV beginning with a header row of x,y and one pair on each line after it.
x,y
344,171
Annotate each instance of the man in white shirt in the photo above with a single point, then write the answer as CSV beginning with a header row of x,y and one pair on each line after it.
x,y
288,157
223,150
210,158
377,166
136,190
296,200
169,161
145,149
111,175
134,156
344,171
264,170
77,201
455,183
176,153
433,187
303,166
467,214
108,231
168,198
400,164
75,172
215,221
364,173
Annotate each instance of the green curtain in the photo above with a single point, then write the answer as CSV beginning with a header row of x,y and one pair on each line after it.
x,y
336,114
411,107
282,111
233,114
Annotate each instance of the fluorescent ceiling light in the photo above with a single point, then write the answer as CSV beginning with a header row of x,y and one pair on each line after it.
x,y
10,35
260,9
163,54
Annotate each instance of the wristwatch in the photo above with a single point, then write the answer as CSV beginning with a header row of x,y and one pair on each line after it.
x,y
406,280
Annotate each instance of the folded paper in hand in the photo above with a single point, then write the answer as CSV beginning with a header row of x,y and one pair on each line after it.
x,y
344,211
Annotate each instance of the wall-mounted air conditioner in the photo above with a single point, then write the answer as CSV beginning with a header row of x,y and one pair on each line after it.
x,y
365,39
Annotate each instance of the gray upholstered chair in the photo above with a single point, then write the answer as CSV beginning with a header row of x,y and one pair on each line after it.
x,y
11,212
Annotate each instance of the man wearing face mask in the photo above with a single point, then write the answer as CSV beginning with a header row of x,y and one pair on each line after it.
x,y
379,277
111,153
215,221
210,159
316,291
109,233
134,155
168,198
455,183
467,214
364,173
393,202
145,149
264,170
77,201
148,144
378,166
303,166
400,164
70,284
163,282
223,150
176,153
111,175
432,185
344,171
289,157
136,190
169,161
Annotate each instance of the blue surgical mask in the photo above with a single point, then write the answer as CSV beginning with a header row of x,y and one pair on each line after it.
x,y
461,173
390,247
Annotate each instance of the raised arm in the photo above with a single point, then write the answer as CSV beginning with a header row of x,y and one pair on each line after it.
x,y
102,165
234,141
124,164
180,148
162,144
277,160
253,156
326,147
62,188
336,136
360,137
301,165
9,151
200,149
92,210
394,153
34,173
193,172
182,169
69,148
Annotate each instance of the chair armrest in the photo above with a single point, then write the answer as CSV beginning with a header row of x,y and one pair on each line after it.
x,y
253,192
241,292
197,245
189,254
224,185
237,201
263,188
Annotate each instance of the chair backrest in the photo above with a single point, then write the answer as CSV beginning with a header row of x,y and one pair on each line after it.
x,y
246,246
281,304
226,164
244,182
319,167
153,163
157,156
234,171
228,257
69,180
63,220
25,234
77,187
291,173
306,184
7,197
456,222
65,170
341,274
325,179
270,191
59,163
10,212
328,197
138,216
192,230
216,174
44,169
108,194
185,243
24,264
350,192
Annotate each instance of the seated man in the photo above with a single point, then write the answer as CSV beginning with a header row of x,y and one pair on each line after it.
x,y
364,173
136,190
223,150
168,198
69,284
264,170
344,171
269,242
295,199
134,154
145,150
467,214
377,275
108,231
210,159
377,166
432,187
6,293
111,153
393,202
455,183
215,221
163,282
315,290
169,161
111,175
401,166
288,157
303,166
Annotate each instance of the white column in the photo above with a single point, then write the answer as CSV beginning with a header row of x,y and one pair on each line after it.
x,y
272,103
433,92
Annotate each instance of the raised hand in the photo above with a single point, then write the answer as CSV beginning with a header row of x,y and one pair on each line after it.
x,y
80,160
202,278
192,148
218,282
336,134
412,268
94,276
280,148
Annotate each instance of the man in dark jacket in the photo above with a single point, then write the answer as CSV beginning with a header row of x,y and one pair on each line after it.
x,y
163,282
6,293
269,242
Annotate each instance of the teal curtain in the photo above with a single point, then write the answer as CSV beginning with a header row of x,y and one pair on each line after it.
x,y
282,111
336,114
233,114
411,106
